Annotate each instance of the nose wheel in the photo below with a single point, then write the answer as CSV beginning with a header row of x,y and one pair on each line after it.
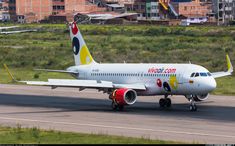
x,y
192,106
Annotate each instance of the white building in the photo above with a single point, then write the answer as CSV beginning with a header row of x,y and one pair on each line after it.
x,y
225,11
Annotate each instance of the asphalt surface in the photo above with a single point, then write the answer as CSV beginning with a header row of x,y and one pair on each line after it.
x,y
90,111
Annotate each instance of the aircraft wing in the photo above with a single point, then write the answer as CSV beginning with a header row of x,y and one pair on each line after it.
x,y
18,31
227,73
84,84
71,83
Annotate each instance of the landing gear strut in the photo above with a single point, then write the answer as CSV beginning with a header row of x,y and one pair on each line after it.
x,y
116,106
192,99
165,102
193,106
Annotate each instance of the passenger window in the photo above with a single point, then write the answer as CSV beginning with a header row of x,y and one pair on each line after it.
x,y
197,75
192,75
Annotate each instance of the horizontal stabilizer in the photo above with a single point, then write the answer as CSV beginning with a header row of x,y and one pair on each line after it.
x,y
59,71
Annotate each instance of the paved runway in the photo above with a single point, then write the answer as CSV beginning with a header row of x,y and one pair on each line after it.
x,y
89,111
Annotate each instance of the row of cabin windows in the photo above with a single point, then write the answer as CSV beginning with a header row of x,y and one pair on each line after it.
x,y
202,74
131,75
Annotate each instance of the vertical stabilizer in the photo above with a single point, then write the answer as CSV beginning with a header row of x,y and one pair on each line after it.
x,y
81,53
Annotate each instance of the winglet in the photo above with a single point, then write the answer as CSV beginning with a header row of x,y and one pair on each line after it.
x,y
9,73
230,66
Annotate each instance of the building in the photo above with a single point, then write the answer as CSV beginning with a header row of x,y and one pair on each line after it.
x,y
7,10
167,9
194,8
38,10
224,10
33,10
152,11
146,9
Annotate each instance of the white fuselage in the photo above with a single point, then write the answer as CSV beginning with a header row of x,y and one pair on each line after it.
x,y
159,79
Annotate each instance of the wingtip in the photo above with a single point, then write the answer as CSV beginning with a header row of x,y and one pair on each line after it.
x,y
9,73
230,66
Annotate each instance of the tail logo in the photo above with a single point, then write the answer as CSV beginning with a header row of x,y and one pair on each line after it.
x,y
80,50
74,28
76,46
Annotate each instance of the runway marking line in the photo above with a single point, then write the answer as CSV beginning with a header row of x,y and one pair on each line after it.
x,y
118,127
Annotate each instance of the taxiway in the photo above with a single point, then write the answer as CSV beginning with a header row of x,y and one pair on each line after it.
x,y
89,111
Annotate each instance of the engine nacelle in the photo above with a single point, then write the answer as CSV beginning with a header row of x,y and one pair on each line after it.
x,y
124,96
202,97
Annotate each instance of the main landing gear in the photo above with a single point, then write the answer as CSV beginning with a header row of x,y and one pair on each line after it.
x,y
116,106
165,102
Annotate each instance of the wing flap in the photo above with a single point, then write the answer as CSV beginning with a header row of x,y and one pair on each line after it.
x,y
84,84
72,83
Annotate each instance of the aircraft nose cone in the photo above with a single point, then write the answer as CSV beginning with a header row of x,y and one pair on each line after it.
x,y
211,85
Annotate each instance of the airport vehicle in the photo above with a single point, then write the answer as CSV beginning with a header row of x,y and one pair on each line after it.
x,y
15,31
124,82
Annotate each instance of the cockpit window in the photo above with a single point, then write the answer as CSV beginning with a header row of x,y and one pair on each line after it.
x,y
209,74
203,74
197,75
192,75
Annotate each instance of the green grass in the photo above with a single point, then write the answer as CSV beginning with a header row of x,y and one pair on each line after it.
x,y
225,86
50,48
19,135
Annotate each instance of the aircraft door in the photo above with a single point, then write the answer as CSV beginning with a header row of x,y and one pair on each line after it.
x,y
182,82
140,76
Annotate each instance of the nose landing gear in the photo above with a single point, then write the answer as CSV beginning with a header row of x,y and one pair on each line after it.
x,y
192,106
192,99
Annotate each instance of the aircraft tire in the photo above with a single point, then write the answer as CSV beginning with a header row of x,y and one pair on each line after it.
x,y
193,108
114,106
168,102
162,102
120,107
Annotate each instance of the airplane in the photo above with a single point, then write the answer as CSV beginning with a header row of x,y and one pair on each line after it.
x,y
13,32
1,28
125,82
